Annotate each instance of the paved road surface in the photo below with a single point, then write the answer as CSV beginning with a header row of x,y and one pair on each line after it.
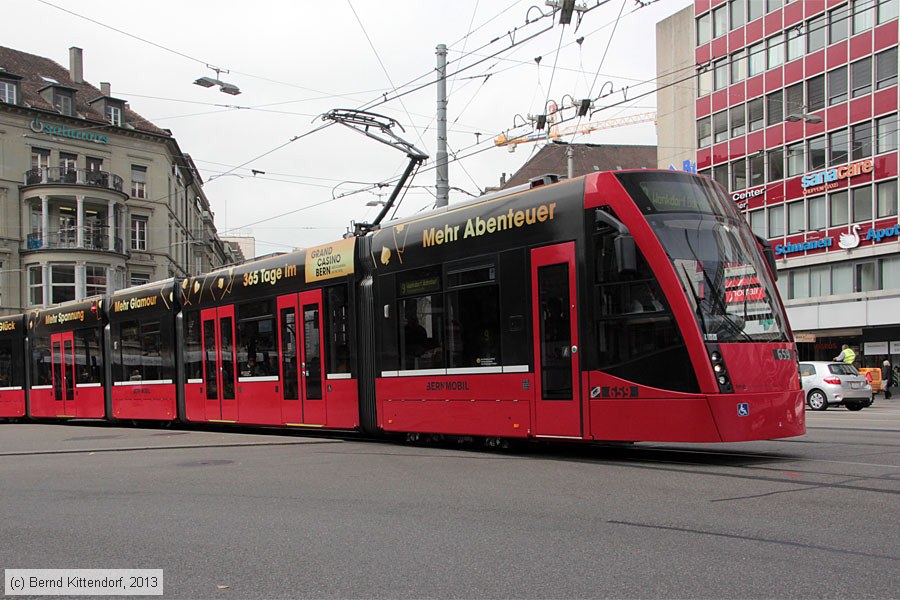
x,y
242,515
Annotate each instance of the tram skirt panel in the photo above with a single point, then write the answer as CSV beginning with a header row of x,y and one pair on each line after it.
x,y
495,405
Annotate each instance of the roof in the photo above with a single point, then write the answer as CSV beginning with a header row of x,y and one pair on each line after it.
x,y
588,158
34,69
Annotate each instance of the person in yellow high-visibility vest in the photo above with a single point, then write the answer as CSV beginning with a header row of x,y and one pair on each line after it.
x,y
847,355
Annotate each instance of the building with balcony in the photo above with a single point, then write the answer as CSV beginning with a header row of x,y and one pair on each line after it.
x,y
93,197
794,111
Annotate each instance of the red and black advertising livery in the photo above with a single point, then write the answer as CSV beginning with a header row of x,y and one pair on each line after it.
x,y
617,306
12,366
142,349
66,361
628,306
271,342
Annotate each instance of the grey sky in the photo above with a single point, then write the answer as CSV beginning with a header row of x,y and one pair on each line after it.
x,y
296,60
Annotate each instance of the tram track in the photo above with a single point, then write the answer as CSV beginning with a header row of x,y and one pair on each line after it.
x,y
161,447
800,479
611,454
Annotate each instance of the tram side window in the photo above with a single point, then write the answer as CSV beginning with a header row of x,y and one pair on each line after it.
x,y
289,352
127,352
10,376
635,332
257,355
151,351
388,322
41,364
456,328
420,339
138,352
420,319
515,302
88,356
6,369
337,330
193,352
473,319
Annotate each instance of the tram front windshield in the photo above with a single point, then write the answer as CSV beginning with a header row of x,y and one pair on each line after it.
x,y
715,255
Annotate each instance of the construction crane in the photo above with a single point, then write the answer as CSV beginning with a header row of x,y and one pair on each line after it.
x,y
557,132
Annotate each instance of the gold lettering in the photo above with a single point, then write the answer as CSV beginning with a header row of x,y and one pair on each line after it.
x,y
519,218
477,226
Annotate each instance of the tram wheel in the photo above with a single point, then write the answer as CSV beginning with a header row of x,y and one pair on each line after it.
x,y
817,400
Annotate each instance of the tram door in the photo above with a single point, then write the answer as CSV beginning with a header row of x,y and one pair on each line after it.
x,y
63,349
219,363
300,338
555,326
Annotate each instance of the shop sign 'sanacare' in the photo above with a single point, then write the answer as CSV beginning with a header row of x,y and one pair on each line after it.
x,y
828,178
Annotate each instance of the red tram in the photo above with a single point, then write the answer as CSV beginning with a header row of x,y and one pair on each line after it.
x,y
66,361
12,366
632,305
142,350
269,342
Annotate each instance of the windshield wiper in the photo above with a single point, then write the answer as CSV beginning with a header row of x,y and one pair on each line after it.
x,y
698,310
725,320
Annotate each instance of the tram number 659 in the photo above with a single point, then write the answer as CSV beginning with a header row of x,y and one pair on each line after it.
x,y
615,391
783,354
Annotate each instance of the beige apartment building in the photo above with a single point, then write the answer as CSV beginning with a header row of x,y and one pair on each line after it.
x,y
93,197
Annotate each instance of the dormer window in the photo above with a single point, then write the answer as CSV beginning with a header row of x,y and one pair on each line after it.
x,y
8,92
64,102
61,97
112,109
9,87
114,115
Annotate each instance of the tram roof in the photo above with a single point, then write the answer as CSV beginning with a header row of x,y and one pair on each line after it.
x,y
67,316
536,183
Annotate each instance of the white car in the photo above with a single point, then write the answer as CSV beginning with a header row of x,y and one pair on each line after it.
x,y
828,383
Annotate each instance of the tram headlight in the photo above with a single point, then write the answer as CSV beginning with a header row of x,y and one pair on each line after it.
x,y
719,370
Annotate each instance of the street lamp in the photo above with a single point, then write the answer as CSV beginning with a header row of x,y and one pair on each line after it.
x,y
226,88
803,116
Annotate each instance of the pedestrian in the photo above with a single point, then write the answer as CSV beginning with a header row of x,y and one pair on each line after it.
x,y
886,375
847,355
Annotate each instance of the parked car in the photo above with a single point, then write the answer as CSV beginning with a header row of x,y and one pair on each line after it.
x,y
828,383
